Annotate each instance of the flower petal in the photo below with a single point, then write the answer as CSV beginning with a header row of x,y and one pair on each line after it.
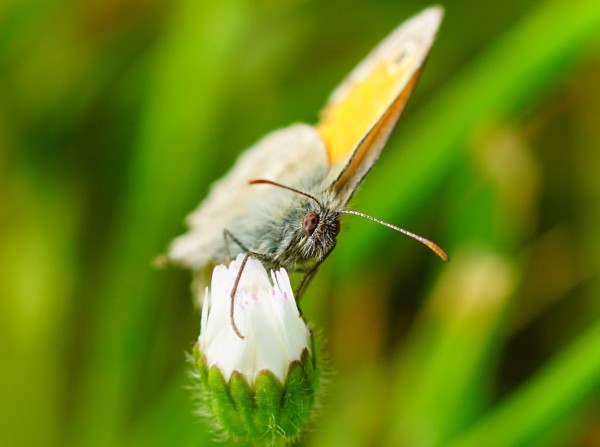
x,y
265,312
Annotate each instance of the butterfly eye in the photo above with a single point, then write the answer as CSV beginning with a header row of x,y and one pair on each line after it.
x,y
310,222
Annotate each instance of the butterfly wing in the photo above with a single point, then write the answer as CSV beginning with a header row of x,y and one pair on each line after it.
x,y
354,126
361,113
288,155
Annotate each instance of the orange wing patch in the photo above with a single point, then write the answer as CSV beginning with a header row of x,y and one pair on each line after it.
x,y
355,108
374,93
377,136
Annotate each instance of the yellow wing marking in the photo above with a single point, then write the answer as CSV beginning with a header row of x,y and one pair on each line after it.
x,y
377,134
345,122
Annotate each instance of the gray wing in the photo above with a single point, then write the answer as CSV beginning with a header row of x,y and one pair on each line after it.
x,y
287,156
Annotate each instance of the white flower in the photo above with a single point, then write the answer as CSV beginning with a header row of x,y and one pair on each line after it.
x,y
265,312
261,388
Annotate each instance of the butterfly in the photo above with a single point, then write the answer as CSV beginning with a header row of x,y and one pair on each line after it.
x,y
283,199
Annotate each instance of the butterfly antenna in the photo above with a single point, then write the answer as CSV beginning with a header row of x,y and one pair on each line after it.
x,y
431,245
271,182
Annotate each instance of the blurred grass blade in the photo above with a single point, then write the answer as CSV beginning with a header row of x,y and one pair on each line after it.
x,y
563,386
169,417
37,271
449,349
521,65
185,97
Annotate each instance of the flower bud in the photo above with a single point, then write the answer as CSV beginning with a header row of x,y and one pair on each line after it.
x,y
261,387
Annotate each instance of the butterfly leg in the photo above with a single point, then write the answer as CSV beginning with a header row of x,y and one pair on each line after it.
x,y
232,295
309,275
228,235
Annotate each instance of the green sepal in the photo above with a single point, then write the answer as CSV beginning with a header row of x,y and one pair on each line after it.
x,y
266,411
201,367
243,399
268,401
299,395
221,404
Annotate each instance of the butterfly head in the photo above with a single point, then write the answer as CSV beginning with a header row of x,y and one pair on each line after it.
x,y
316,223
320,226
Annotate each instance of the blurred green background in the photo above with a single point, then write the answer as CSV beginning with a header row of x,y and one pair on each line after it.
x,y
115,116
